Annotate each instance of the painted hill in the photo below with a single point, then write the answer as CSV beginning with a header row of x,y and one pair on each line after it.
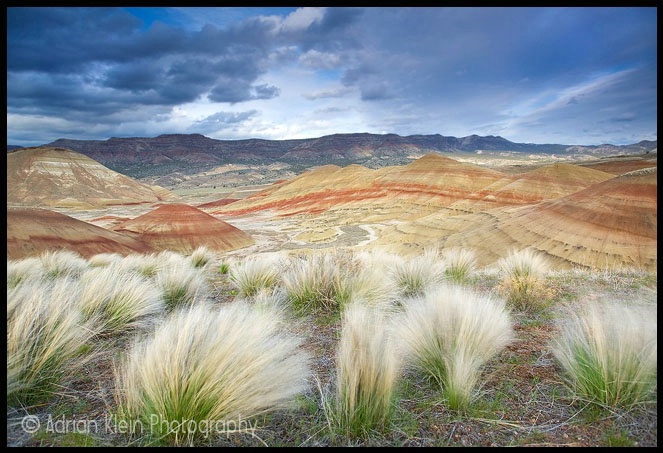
x,y
413,190
183,228
32,231
55,177
611,223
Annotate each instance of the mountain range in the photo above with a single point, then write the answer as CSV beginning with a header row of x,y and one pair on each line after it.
x,y
195,153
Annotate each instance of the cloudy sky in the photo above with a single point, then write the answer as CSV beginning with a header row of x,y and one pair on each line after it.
x,y
539,75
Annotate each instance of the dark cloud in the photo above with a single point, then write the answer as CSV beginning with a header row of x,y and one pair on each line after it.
x,y
220,121
454,71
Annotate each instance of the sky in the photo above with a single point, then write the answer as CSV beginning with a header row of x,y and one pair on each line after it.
x,y
564,75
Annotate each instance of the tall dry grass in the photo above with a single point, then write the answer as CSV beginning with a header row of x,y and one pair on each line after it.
x,y
450,333
315,283
214,365
608,352
460,263
47,338
62,263
523,280
179,281
118,300
254,274
368,366
23,270
415,275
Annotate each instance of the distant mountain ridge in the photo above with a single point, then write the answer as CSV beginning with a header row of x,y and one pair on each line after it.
x,y
160,155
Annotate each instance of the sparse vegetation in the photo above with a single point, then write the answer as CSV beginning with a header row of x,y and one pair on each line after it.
x,y
518,394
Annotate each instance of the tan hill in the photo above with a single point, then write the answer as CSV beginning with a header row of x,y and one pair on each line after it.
x,y
547,182
32,231
183,228
611,223
361,194
56,177
625,164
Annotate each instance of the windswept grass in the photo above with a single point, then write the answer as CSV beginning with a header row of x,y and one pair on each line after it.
x,y
460,263
46,339
147,265
212,365
23,271
450,332
523,284
179,282
62,263
315,284
368,366
104,259
201,257
417,274
119,300
255,274
609,353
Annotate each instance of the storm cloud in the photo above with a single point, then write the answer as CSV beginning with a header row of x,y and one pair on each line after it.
x,y
537,74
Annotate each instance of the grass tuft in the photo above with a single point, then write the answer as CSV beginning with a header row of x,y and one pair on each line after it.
x,y
367,370
415,275
609,353
460,264
207,365
252,275
180,282
46,339
523,283
119,300
449,333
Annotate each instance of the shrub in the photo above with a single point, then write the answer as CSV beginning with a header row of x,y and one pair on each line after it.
x,y
609,353
367,371
46,338
522,280
205,364
449,333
